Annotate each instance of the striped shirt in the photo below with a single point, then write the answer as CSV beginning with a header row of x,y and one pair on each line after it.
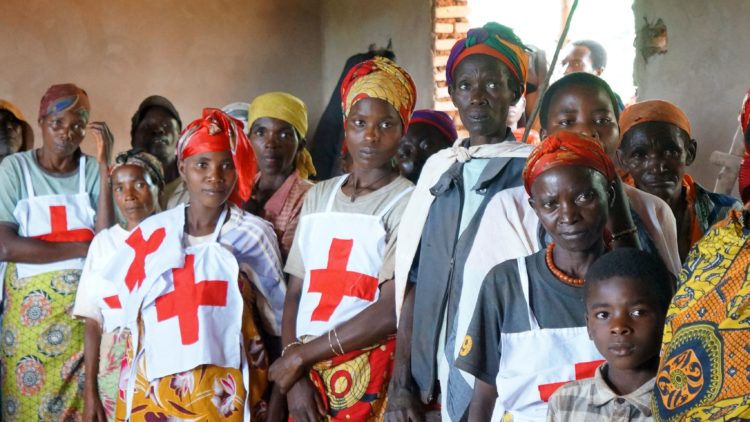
x,y
592,399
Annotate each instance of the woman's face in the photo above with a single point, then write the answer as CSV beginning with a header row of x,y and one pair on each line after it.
x,y
11,134
63,132
572,205
584,109
276,145
134,193
209,177
157,133
373,131
481,92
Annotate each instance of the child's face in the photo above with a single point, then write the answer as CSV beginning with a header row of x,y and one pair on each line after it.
x,y
656,155
133,194
625,322
584,109
209,177
373,130
276,144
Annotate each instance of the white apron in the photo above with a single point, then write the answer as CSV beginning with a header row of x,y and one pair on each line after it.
x,y
343,253
535,363
55,218
192,316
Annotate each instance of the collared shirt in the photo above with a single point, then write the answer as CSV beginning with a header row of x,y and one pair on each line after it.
x,y
592,399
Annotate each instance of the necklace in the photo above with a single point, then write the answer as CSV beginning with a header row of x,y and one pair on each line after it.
x,y
358,189
565,278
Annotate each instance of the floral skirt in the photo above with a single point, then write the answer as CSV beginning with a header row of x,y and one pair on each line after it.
x,y
42,348
114,364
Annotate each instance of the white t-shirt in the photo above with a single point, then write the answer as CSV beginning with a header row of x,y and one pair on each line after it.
x,y
91,286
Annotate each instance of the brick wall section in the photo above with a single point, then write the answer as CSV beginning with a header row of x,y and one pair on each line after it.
x,y
450,25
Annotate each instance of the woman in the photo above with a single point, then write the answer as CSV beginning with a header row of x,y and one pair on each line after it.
x,y
278,127
51,202
136,180
339,316
535,303
186,281
429,131
154,128
15,133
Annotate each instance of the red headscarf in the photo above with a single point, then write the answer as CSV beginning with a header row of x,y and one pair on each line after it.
x,y
567,149
218,131
744,175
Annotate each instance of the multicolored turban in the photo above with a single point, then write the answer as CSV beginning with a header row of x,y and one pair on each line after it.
x,y
26,131
150,164
149,103
65,97
383,79
286,107
744,175
653,111
217,131
438,119
493,40
567,149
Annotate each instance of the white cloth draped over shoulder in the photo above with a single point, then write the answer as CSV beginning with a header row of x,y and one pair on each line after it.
x,y
415,214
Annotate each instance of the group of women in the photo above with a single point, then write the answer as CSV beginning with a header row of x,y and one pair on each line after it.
x,y
202,276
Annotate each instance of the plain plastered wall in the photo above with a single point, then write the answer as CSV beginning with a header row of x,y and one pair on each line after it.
x,y
350,26
196,53
704,71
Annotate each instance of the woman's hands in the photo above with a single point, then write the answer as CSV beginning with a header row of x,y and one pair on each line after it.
x,y
104,141
305,403
288,369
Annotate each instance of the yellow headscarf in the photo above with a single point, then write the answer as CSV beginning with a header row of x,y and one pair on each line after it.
x,y
286,107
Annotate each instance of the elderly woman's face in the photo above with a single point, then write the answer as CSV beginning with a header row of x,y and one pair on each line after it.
x,y
11,134
572,205
63,132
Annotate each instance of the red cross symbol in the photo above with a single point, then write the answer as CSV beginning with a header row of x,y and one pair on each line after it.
x,y
137,271
113,302
58,221
334,282
187,296
583,370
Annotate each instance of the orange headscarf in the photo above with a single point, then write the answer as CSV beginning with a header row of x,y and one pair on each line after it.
x,y
567,149
218,131
653,111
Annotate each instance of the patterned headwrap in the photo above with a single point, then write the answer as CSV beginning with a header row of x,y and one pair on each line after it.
x,y
149,103
218,131
567,149
383,79
653,111
493,40
744,175
286,107
64,97
438,119
26,131
238,111
150,164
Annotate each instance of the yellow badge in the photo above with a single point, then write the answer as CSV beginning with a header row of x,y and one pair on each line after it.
x,y
466,346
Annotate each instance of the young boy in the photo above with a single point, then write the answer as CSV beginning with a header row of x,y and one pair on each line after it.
x,y
627,293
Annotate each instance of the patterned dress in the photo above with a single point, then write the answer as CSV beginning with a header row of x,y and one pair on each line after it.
x,y
42,348
704,372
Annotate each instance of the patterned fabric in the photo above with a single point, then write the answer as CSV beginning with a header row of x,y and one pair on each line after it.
x,y
383,79
238,111
494,40
144,160
704,373
42,348
592,399
744,176
283,210
653,111
438,119
207,393
64,97
705,208
566,149
218,131
354,385
286,107
114,364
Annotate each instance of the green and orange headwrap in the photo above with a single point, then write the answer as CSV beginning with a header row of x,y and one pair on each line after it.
x,y
493,40
382,79
567,149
